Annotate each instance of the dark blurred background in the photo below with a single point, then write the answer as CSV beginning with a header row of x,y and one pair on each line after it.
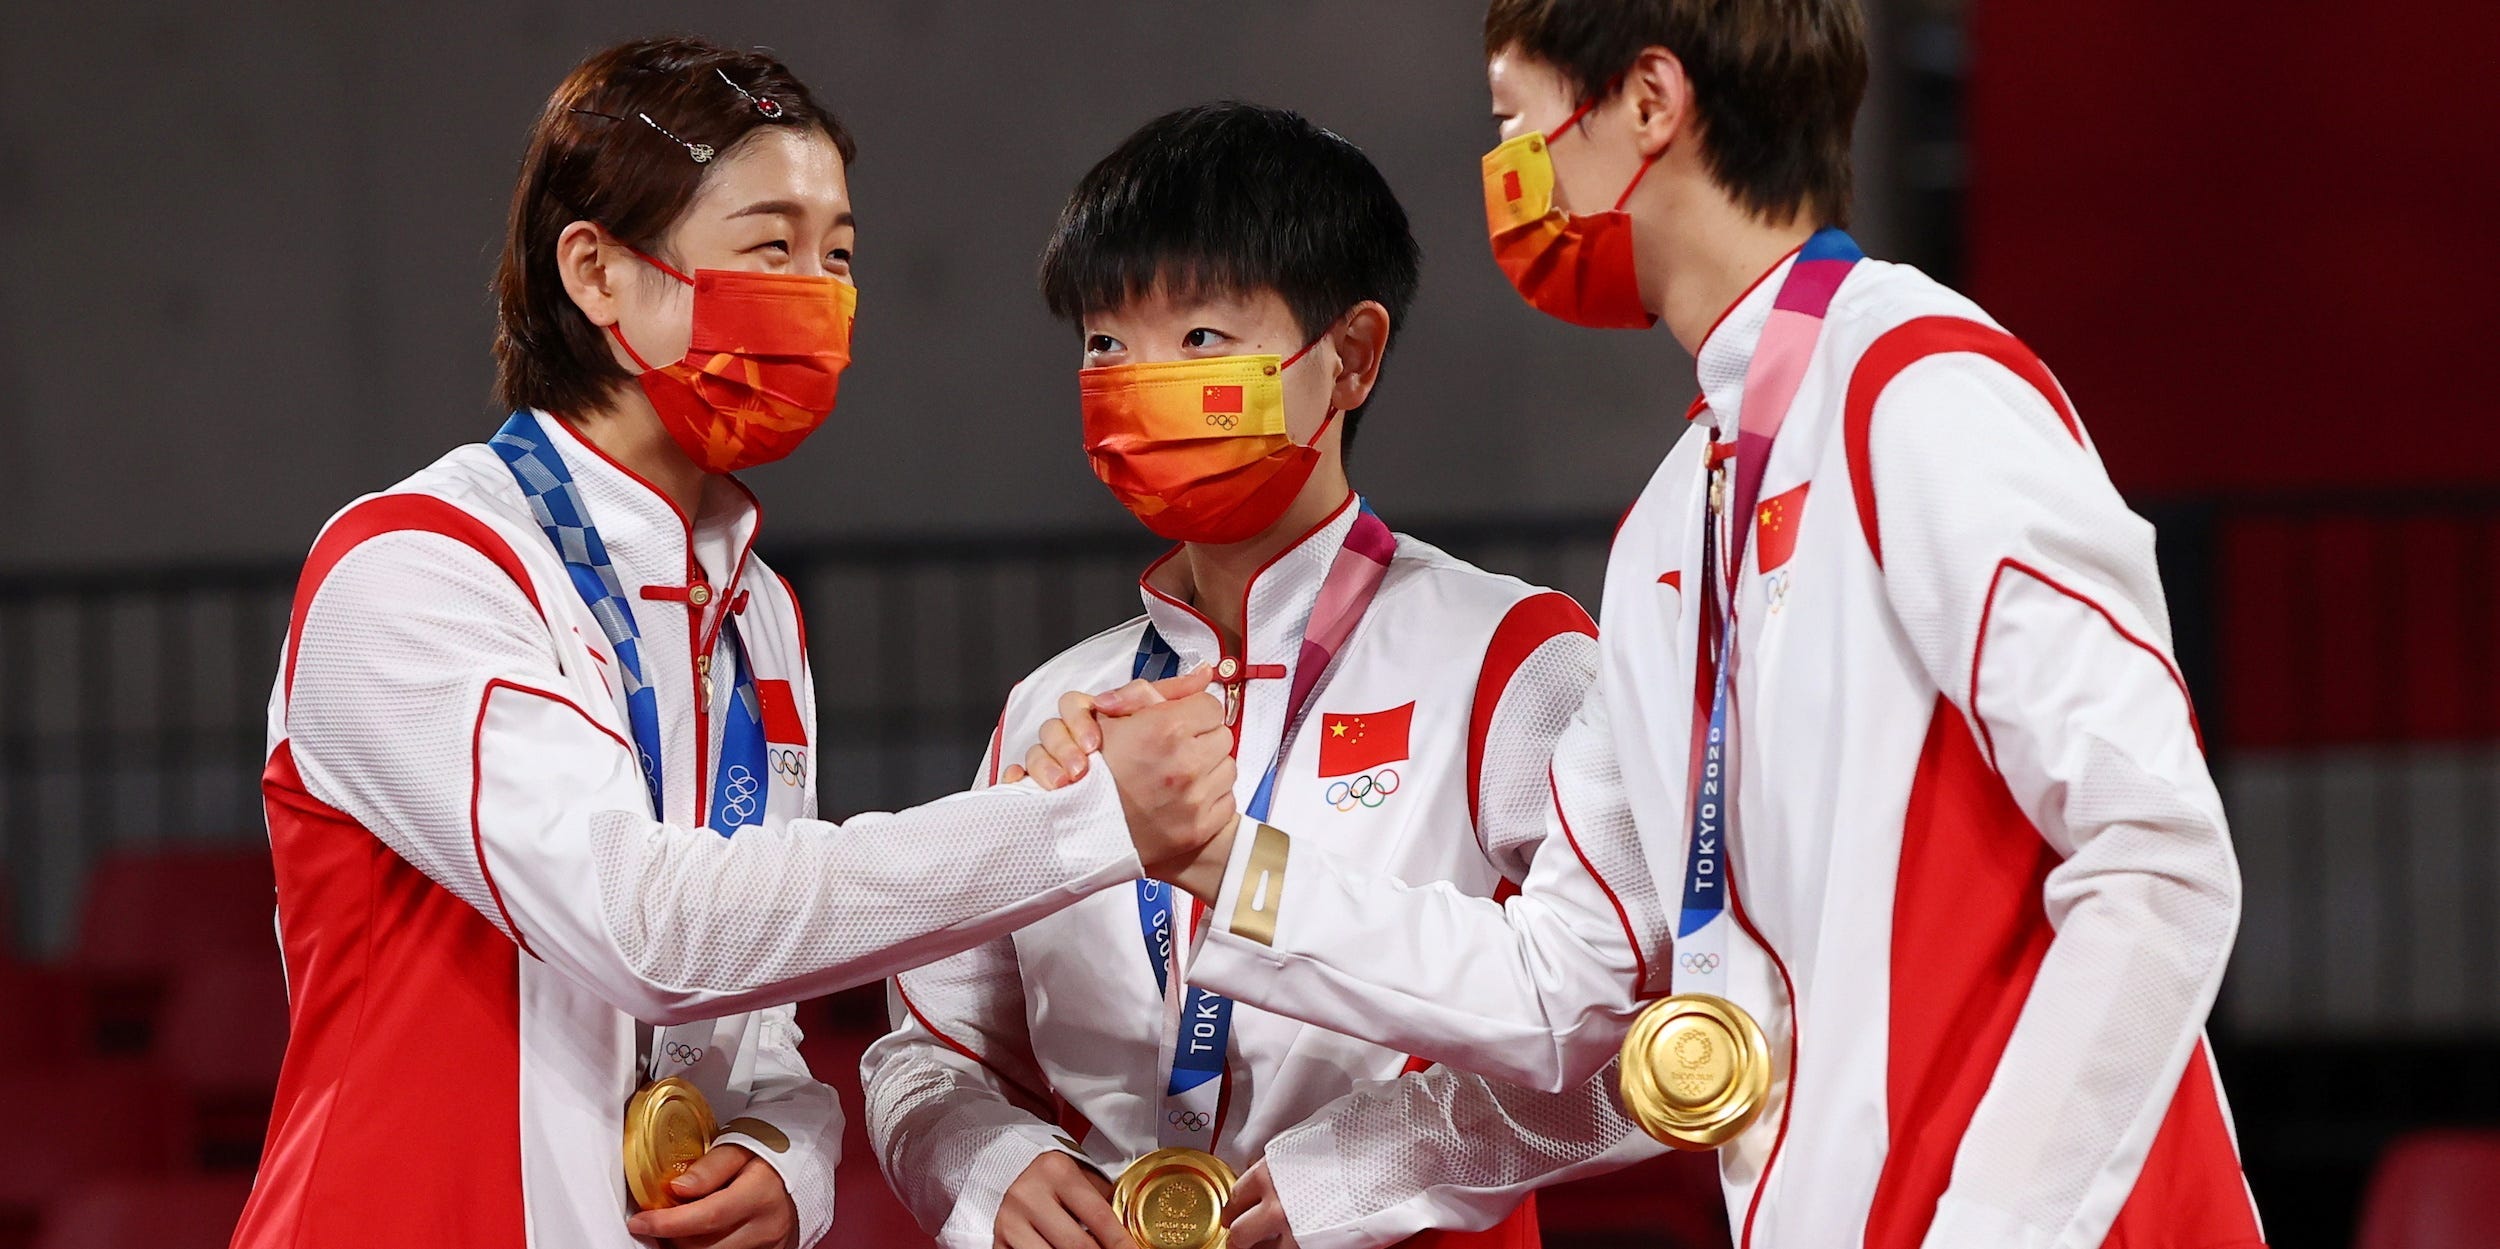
x,y
246,250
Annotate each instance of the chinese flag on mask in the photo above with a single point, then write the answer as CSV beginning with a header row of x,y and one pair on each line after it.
x,y
1351,744
1221,400
1775,528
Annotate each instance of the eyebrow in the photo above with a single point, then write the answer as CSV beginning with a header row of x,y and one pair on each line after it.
x,y
787,208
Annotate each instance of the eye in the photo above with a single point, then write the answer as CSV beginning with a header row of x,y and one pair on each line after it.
x,y
839,255
1098,345
1202,338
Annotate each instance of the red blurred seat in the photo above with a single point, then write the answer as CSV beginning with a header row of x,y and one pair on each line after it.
x,y
149,913
1671,1202
55,996
88,1120
157,909
221,1038
2434,1190
187,1213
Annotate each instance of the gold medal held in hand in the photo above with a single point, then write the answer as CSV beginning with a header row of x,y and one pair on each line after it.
x,y
1174,1199
1695,1070
667,1126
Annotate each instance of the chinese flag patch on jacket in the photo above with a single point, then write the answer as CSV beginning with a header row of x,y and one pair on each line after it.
x,y
1775,528
1358,743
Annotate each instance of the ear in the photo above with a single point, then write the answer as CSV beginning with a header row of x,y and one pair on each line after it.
x,y
582,263
1361,342
1662,101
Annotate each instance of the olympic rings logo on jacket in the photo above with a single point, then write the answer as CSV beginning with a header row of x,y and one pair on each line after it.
x,y
1364,791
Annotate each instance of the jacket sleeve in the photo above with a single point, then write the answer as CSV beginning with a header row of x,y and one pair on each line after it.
x,y
791,1121
427,704
1536,991
2029,592
957,1106
1536,674
1441,1149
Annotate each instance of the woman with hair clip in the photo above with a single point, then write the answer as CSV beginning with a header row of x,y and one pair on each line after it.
x,y
540,785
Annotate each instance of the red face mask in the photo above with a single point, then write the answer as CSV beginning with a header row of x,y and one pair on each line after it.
x,y
1197,449
762,370
1574,267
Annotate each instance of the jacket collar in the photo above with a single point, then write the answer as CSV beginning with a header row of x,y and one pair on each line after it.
x,y
1727,351
1280,598
650,542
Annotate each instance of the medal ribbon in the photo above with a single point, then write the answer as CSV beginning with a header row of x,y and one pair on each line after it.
x,y
1771,380
738,789
1198,1023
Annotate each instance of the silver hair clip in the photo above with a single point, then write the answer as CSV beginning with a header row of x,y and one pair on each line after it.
x,y
701,152
769,107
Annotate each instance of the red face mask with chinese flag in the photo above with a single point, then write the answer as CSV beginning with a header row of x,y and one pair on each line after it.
x,y
1574,267
1197,449
762,370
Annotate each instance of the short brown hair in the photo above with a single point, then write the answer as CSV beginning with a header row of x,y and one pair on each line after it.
x,y
1777,82
592,157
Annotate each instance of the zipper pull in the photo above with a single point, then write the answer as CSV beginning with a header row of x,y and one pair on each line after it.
x,y
1228,675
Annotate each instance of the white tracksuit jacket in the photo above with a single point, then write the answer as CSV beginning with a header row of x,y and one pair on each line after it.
x,y
480,916
1449,695
1983,881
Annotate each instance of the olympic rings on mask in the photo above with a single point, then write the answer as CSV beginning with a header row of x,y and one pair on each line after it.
x,y
1698,963
1223,421
1364,791
1188,1120
680,1052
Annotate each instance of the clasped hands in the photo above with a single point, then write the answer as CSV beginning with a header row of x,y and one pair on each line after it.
x,y
1171,757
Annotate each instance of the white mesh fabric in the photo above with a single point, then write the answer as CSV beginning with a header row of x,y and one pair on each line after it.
x,y
1441,1148
947,1132
1588,795
398,640
840,905
1513,794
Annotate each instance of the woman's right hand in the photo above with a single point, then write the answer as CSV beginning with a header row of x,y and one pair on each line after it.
x,y
1059,1203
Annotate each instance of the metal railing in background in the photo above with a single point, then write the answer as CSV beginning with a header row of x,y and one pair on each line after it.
x,y
133,703
2340,647
133,707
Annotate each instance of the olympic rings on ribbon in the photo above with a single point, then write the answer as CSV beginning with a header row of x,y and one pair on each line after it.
x,y
744,793
680,1052
1364,791
790,764
1188,1120
1698,963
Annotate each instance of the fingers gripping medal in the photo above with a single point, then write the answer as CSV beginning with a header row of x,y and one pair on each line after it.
x,y
1174,1199
668,1125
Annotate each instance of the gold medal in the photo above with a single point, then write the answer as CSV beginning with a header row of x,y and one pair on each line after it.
x,y
1174,1199
1695,1070
667,1126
